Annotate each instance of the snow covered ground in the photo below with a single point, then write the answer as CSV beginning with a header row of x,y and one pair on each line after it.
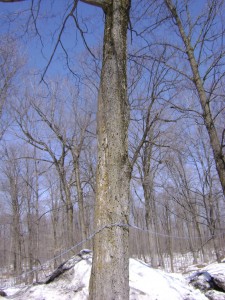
x,y
145,283
155,284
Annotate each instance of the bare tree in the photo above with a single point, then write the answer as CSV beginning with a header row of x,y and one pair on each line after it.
x,y
11,187
26,122
207,189
110,277
10,64
72,139
202,38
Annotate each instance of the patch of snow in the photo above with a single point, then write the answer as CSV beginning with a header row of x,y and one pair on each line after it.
x,y
215,268
215,295
145,283
157,284
211,280
12,290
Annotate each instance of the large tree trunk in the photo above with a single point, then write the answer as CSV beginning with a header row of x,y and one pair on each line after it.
x,y
110,271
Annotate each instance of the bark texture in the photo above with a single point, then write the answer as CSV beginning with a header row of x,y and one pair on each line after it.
x,y
110,271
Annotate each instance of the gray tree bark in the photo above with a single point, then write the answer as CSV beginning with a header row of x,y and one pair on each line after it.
x,y
110,270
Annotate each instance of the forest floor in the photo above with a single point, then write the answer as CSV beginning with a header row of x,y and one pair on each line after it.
x,y
145,283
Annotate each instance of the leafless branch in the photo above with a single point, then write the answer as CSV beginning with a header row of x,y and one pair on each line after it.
x,y
59,38
99,3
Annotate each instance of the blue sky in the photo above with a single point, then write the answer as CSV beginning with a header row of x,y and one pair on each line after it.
x,y
49,21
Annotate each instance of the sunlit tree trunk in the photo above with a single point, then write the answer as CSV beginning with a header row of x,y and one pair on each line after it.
x,y
110,271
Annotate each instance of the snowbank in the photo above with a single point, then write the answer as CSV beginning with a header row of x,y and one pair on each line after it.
x,y
145,283
210,280
148,283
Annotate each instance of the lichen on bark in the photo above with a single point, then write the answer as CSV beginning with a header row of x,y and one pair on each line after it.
x,y
110,276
